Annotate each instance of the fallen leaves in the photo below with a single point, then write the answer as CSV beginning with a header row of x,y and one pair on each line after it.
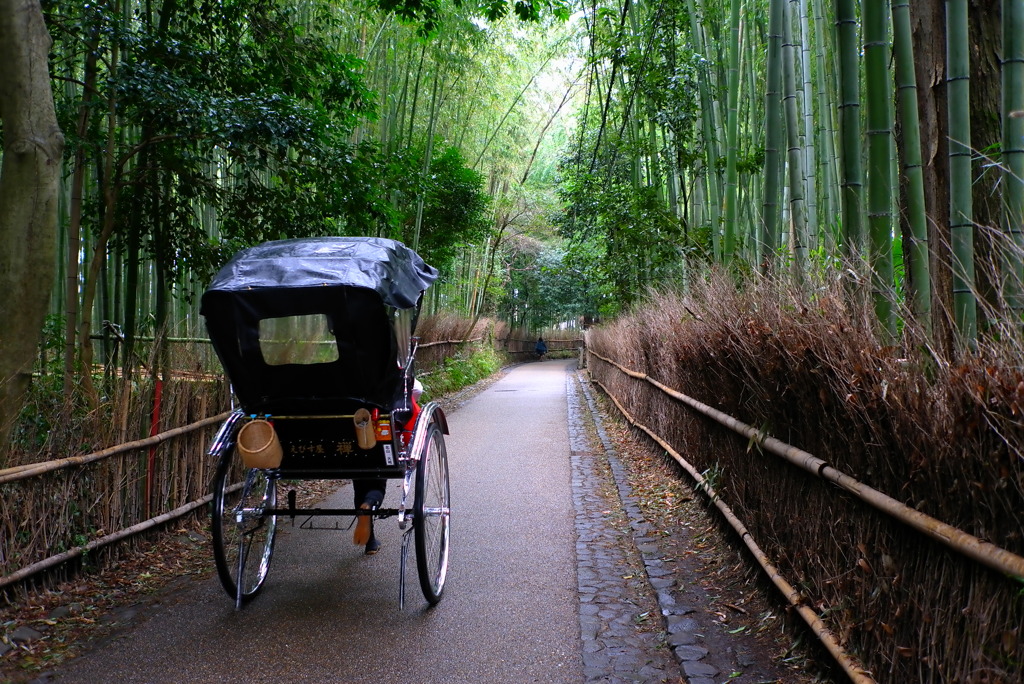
x,y
69,615
702,557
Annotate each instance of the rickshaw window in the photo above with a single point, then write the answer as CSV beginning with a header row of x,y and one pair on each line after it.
x,y
306,339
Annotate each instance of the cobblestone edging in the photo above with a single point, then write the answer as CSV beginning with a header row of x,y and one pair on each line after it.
x,y
614,649
609,655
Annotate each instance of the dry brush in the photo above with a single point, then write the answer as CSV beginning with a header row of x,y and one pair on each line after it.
x,y
944,438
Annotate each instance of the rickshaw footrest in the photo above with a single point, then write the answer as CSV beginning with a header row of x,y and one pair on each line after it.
x,y
376,512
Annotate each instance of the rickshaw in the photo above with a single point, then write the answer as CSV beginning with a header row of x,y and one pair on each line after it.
x,y
316,338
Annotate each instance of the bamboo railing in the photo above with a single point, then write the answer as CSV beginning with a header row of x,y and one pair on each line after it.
x,y
852,669
972,550
32,469
988,554
63,494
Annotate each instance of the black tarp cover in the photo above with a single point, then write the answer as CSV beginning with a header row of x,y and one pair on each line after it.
x,y
388,267
369,287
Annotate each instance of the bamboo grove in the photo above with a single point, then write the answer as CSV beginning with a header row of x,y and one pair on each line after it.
x,y
878,141
554,168
194,128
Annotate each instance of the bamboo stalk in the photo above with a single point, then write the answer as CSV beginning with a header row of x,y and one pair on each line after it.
x,y
770,213
807,107
987,554
732,135
23,472
826,95
797,175
961,203
916,252
853,670
849,124
1013,152
877,95
709,126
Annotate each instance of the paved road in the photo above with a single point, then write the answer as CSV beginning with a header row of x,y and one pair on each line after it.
x,y
329,614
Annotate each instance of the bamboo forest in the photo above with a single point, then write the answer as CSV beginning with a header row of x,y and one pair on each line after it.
x,y
806,215
555,160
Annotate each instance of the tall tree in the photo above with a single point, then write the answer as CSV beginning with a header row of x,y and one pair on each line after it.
x,y
929,32
771,219
915,233
879,129
849,113
732,135
797,175
33,145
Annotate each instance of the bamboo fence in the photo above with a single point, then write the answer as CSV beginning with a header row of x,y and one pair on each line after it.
x,y
911,597
61,510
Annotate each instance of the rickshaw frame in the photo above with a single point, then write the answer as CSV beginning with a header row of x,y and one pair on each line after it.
x,y
363,295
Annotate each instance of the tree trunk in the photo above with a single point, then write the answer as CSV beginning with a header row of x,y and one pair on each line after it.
x,y
929,28
29,177
1013,154
72,289
878,96
849,123
797,175
770,211
914,220
732,135
989,198
109,181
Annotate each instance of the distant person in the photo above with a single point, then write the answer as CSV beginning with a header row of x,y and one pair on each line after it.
x,y
541,349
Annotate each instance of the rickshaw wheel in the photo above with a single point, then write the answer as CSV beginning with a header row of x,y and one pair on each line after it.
x,y
243,537
431,515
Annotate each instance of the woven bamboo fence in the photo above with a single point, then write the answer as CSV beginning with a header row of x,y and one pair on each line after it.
x,y
70,508
916,588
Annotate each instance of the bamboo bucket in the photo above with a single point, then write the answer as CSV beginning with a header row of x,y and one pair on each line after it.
x,y
259,446
365,435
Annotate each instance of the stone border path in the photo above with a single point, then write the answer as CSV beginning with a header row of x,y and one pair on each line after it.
x,y
614,648
690,648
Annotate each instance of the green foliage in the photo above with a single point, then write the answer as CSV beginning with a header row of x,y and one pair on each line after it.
x,y
622,177
243,88
246,112
428,13
455,206
461,371
53,335
623,233
547,287
666,77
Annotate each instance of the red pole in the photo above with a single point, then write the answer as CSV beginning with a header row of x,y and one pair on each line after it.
x,y
154,429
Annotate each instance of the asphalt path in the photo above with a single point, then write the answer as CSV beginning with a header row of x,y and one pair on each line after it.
x,y
330,614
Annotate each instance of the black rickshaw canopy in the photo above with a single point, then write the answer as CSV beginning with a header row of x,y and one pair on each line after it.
x,y
388,267
363,293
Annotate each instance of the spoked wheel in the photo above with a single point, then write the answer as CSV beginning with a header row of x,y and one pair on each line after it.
x,y
243,537
431,514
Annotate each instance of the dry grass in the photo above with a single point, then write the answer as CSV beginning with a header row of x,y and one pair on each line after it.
x,y
943,437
